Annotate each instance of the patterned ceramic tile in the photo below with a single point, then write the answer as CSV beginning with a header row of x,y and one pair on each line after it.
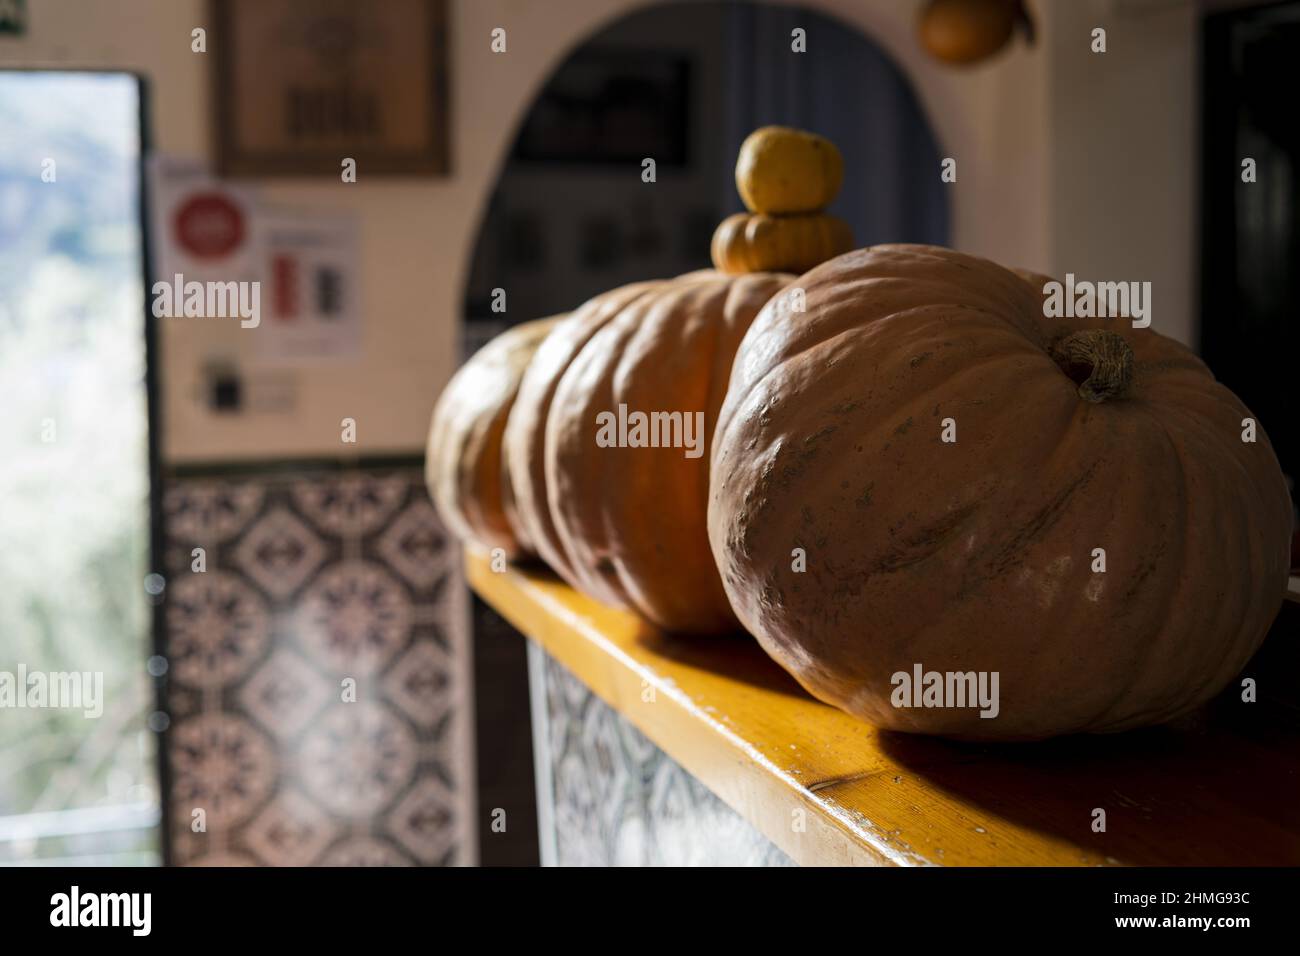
x,y
365,851
280,552
618,800
351,505
212,510
353,618
357,758
284,694
223,765
290,831
217,625
314,682
415,546
422,822
420,683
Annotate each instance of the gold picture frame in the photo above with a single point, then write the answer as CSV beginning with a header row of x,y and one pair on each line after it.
x,y
300,86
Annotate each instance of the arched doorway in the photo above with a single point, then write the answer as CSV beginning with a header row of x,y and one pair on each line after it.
x,y
569,217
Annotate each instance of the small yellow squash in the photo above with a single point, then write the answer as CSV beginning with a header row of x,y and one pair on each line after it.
x,y
782,170
756,243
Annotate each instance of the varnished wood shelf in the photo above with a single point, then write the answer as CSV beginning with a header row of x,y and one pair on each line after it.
x,y
1221,789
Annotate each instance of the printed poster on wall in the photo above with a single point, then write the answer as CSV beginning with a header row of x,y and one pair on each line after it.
x,y
303,264
203,230
311,300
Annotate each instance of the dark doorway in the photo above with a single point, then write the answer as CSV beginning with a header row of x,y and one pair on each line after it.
x,y
1250,245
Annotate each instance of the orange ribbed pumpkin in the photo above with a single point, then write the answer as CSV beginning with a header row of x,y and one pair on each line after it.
x,y
627,524
463,466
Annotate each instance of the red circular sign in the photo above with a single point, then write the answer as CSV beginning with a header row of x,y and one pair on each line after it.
x,y
209,226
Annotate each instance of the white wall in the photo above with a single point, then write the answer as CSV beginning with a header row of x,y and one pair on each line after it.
x,y
1048,155
1124,150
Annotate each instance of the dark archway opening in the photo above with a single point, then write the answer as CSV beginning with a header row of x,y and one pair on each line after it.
x,y
685,83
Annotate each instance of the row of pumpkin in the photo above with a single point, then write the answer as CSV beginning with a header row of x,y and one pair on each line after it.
x,y
907,464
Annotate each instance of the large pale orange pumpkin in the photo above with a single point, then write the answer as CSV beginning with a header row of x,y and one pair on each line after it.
x,y
463,466
1080,444
627,524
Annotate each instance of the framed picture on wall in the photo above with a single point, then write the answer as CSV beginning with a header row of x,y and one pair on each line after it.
x,y
300,86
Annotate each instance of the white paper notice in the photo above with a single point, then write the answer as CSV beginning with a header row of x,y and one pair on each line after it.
x,y
310,295
303,262
203,229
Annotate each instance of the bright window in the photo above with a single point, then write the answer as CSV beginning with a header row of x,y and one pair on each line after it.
x,y
74,473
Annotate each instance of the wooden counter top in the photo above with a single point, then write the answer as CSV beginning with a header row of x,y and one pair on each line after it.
x,y
1221,789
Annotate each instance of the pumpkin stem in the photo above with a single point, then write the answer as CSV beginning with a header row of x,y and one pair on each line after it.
x,y
1099,361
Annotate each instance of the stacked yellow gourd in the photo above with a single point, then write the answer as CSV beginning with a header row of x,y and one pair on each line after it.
x,y
786,177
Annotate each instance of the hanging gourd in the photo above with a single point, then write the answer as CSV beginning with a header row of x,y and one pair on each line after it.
x,y
963,32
